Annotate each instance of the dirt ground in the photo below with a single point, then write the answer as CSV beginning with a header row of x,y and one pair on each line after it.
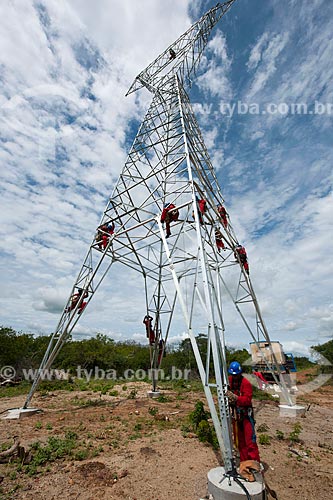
x,y
139,449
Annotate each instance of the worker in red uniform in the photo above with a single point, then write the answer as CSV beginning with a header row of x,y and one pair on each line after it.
x,y
147,321
241,253
202,207
219,240
240,400
170,214
103,234
223,215
76,298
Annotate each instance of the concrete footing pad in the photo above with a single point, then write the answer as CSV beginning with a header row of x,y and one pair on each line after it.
x,y
153,394
225,488
18,413
291,411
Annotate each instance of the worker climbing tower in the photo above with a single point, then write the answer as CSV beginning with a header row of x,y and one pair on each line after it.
x,y
166,221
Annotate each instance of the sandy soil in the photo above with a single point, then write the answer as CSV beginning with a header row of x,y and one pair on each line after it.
x,y
137,455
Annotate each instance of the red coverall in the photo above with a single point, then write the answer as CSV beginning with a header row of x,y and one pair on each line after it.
x,y
243,423
202,206
202,209
243,258
104,233
223,215
149,329
75,299
170,213
219,240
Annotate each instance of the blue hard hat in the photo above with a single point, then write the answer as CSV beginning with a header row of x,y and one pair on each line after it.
x,y
235,368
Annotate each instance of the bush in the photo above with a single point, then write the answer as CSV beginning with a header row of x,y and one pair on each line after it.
x,y
152,410
294,435
206,434
198,414
264,439
133,394
57,448
163,399
279,435
203,429
263,428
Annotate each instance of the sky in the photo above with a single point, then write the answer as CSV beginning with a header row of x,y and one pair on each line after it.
x,y
263,97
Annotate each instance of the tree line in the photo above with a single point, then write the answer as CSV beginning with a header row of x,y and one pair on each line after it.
x,y
24,351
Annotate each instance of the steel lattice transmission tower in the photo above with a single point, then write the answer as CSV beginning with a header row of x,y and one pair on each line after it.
x,y
169,163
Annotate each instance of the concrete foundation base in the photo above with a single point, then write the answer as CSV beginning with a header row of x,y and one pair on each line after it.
x,y
17,413
224,488
153,394
291,411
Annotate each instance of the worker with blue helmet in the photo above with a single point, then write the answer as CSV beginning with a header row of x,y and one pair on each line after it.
x,y
235,368
239,396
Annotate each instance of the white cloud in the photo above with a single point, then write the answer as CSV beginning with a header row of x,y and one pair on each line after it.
x,y
258,134
291,326
215,78
256,51
134,33
49,299
297,348
268,61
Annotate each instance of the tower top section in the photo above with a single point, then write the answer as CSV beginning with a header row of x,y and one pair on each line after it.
x,y
182,57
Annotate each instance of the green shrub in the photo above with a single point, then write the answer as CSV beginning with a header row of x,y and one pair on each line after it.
x,y
198,414
264,439
56,448
163,399
263,428
81,455
133,394
206,434
203,429
279,435
294,435
152,410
